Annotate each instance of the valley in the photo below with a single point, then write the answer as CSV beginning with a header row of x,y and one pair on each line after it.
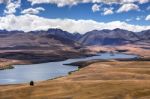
x,y
96,79
74,49
18,47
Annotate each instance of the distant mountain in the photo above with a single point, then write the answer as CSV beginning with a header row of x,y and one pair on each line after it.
x,y
33,39
55,32
59,38
144,34
77,36
110,37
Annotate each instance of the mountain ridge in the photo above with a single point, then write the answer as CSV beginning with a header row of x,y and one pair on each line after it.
x,y
95,37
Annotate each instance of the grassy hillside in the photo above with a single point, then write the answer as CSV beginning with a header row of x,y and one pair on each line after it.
x,y
101,80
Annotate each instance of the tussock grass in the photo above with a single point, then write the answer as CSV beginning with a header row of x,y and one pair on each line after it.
x,y
101,80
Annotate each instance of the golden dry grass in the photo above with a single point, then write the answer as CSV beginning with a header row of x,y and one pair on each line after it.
x,y
103,80
131,49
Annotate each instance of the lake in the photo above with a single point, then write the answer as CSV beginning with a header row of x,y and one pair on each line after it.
x,y
50,70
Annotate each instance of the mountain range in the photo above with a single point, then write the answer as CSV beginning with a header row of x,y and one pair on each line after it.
x,y
113,37
58,37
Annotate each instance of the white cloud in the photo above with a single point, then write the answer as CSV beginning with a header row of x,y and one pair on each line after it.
x,y
148,8
32,22
11,6
128,7
108,11
1,1
128,20
33,10
4,1
138,18
143,1
95,7
61,3
147,18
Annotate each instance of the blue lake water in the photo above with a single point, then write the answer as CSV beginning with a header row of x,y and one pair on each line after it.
x,y
50,70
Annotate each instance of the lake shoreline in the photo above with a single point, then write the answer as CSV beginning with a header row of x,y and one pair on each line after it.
x,y
82,64
67,85
43,58
8,64
6,67
76,63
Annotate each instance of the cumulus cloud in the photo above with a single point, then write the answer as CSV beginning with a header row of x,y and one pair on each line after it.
x,y
147,18
32,22
143,1
61,3
128,7
108,11
95,7
33,10
11,6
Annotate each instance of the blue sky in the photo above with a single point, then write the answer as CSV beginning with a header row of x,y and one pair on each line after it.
x,y
127,12
84,11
